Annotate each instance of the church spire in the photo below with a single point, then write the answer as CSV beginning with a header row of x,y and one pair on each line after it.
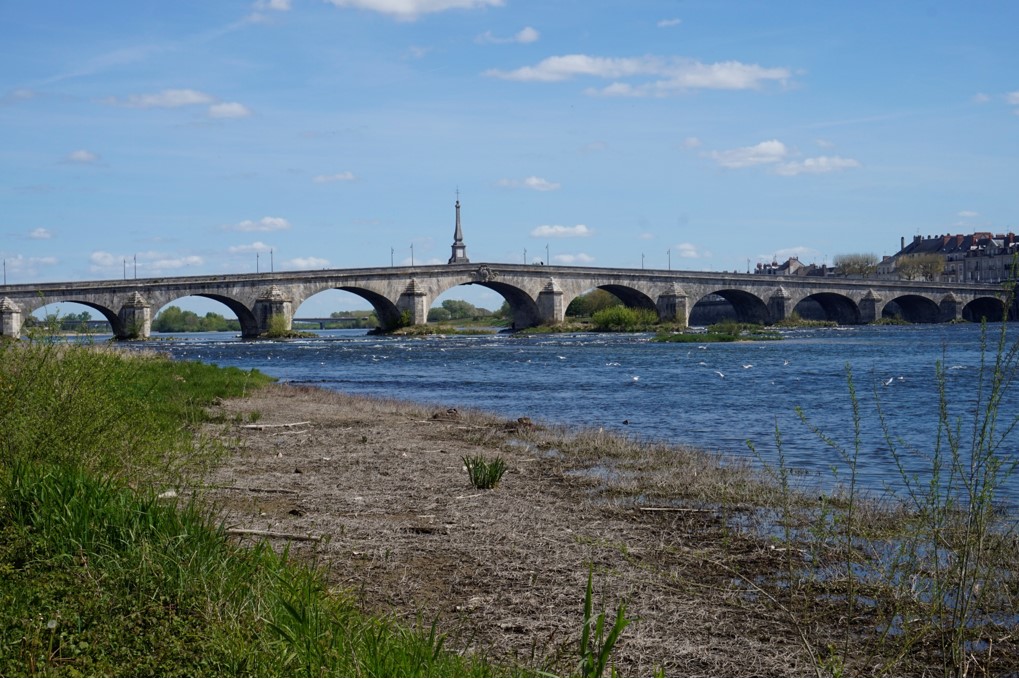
x,y
459,249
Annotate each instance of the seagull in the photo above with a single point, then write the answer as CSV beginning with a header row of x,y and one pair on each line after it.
x,y
785,362
720,373
747,366
636,378
889,381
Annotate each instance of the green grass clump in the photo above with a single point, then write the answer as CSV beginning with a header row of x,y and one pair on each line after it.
x,y
624,319
484,474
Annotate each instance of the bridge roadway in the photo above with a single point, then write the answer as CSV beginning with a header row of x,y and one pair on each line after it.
x,y
537,294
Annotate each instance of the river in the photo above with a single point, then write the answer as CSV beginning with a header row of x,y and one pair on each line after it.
x,y
715,397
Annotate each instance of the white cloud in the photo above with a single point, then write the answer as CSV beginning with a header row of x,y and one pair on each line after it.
x,y
229,110
524,36
338,177
40,234
689,251
691,143
647,235
981,98
967,214
824,143
801,252
546,231
162,263
1012,98
263,224
164,99
82,156
818,165
673,74
178,98
101,258
772,151
102,261
533,183
409,10
579,258
20,264
275,5
668,23
307,263
17,95
257,246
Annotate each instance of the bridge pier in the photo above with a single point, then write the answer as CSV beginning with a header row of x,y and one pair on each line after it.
x,y
274,313
672,307
550,303
951,308
870,307
778,305
135,318
10,318
413,305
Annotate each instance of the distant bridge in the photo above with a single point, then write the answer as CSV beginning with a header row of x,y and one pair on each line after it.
x,y
536,295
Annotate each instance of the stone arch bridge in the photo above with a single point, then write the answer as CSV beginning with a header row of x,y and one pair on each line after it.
x,y
536,294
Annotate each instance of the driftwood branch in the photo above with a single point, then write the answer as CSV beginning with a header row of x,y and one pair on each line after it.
x,y
253,489
272,534
673,509
273,426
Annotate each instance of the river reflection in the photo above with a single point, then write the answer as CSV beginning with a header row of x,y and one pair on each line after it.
x,y
711,396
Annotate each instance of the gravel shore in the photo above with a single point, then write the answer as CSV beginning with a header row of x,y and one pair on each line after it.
x,y
381,489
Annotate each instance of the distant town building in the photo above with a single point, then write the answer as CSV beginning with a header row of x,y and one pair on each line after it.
x,y
791,267
980,257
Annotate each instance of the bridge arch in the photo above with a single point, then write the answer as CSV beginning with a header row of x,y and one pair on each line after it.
x,y
116,325
832,305
628,296
913,309
245,316
523,308
746,306
991,309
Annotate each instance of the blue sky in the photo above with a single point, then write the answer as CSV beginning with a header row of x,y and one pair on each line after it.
x,y
200,137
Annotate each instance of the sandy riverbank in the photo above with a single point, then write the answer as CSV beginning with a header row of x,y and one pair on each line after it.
x,y
504,570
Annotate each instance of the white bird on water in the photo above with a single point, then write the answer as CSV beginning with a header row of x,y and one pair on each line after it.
x,y
747,366
720,373
636,378
889,381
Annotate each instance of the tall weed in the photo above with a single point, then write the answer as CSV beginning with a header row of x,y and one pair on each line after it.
x,y
927,583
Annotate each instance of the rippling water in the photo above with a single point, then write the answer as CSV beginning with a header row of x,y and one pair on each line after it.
x,y
711,396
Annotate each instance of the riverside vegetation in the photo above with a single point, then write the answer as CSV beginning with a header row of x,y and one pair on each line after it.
x,y
102,576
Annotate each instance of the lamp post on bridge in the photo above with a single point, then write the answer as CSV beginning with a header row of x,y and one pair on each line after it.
x,y
412,254
669,253
642,260
548,258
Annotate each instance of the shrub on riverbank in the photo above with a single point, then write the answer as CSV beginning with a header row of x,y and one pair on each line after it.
x,y
624,319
